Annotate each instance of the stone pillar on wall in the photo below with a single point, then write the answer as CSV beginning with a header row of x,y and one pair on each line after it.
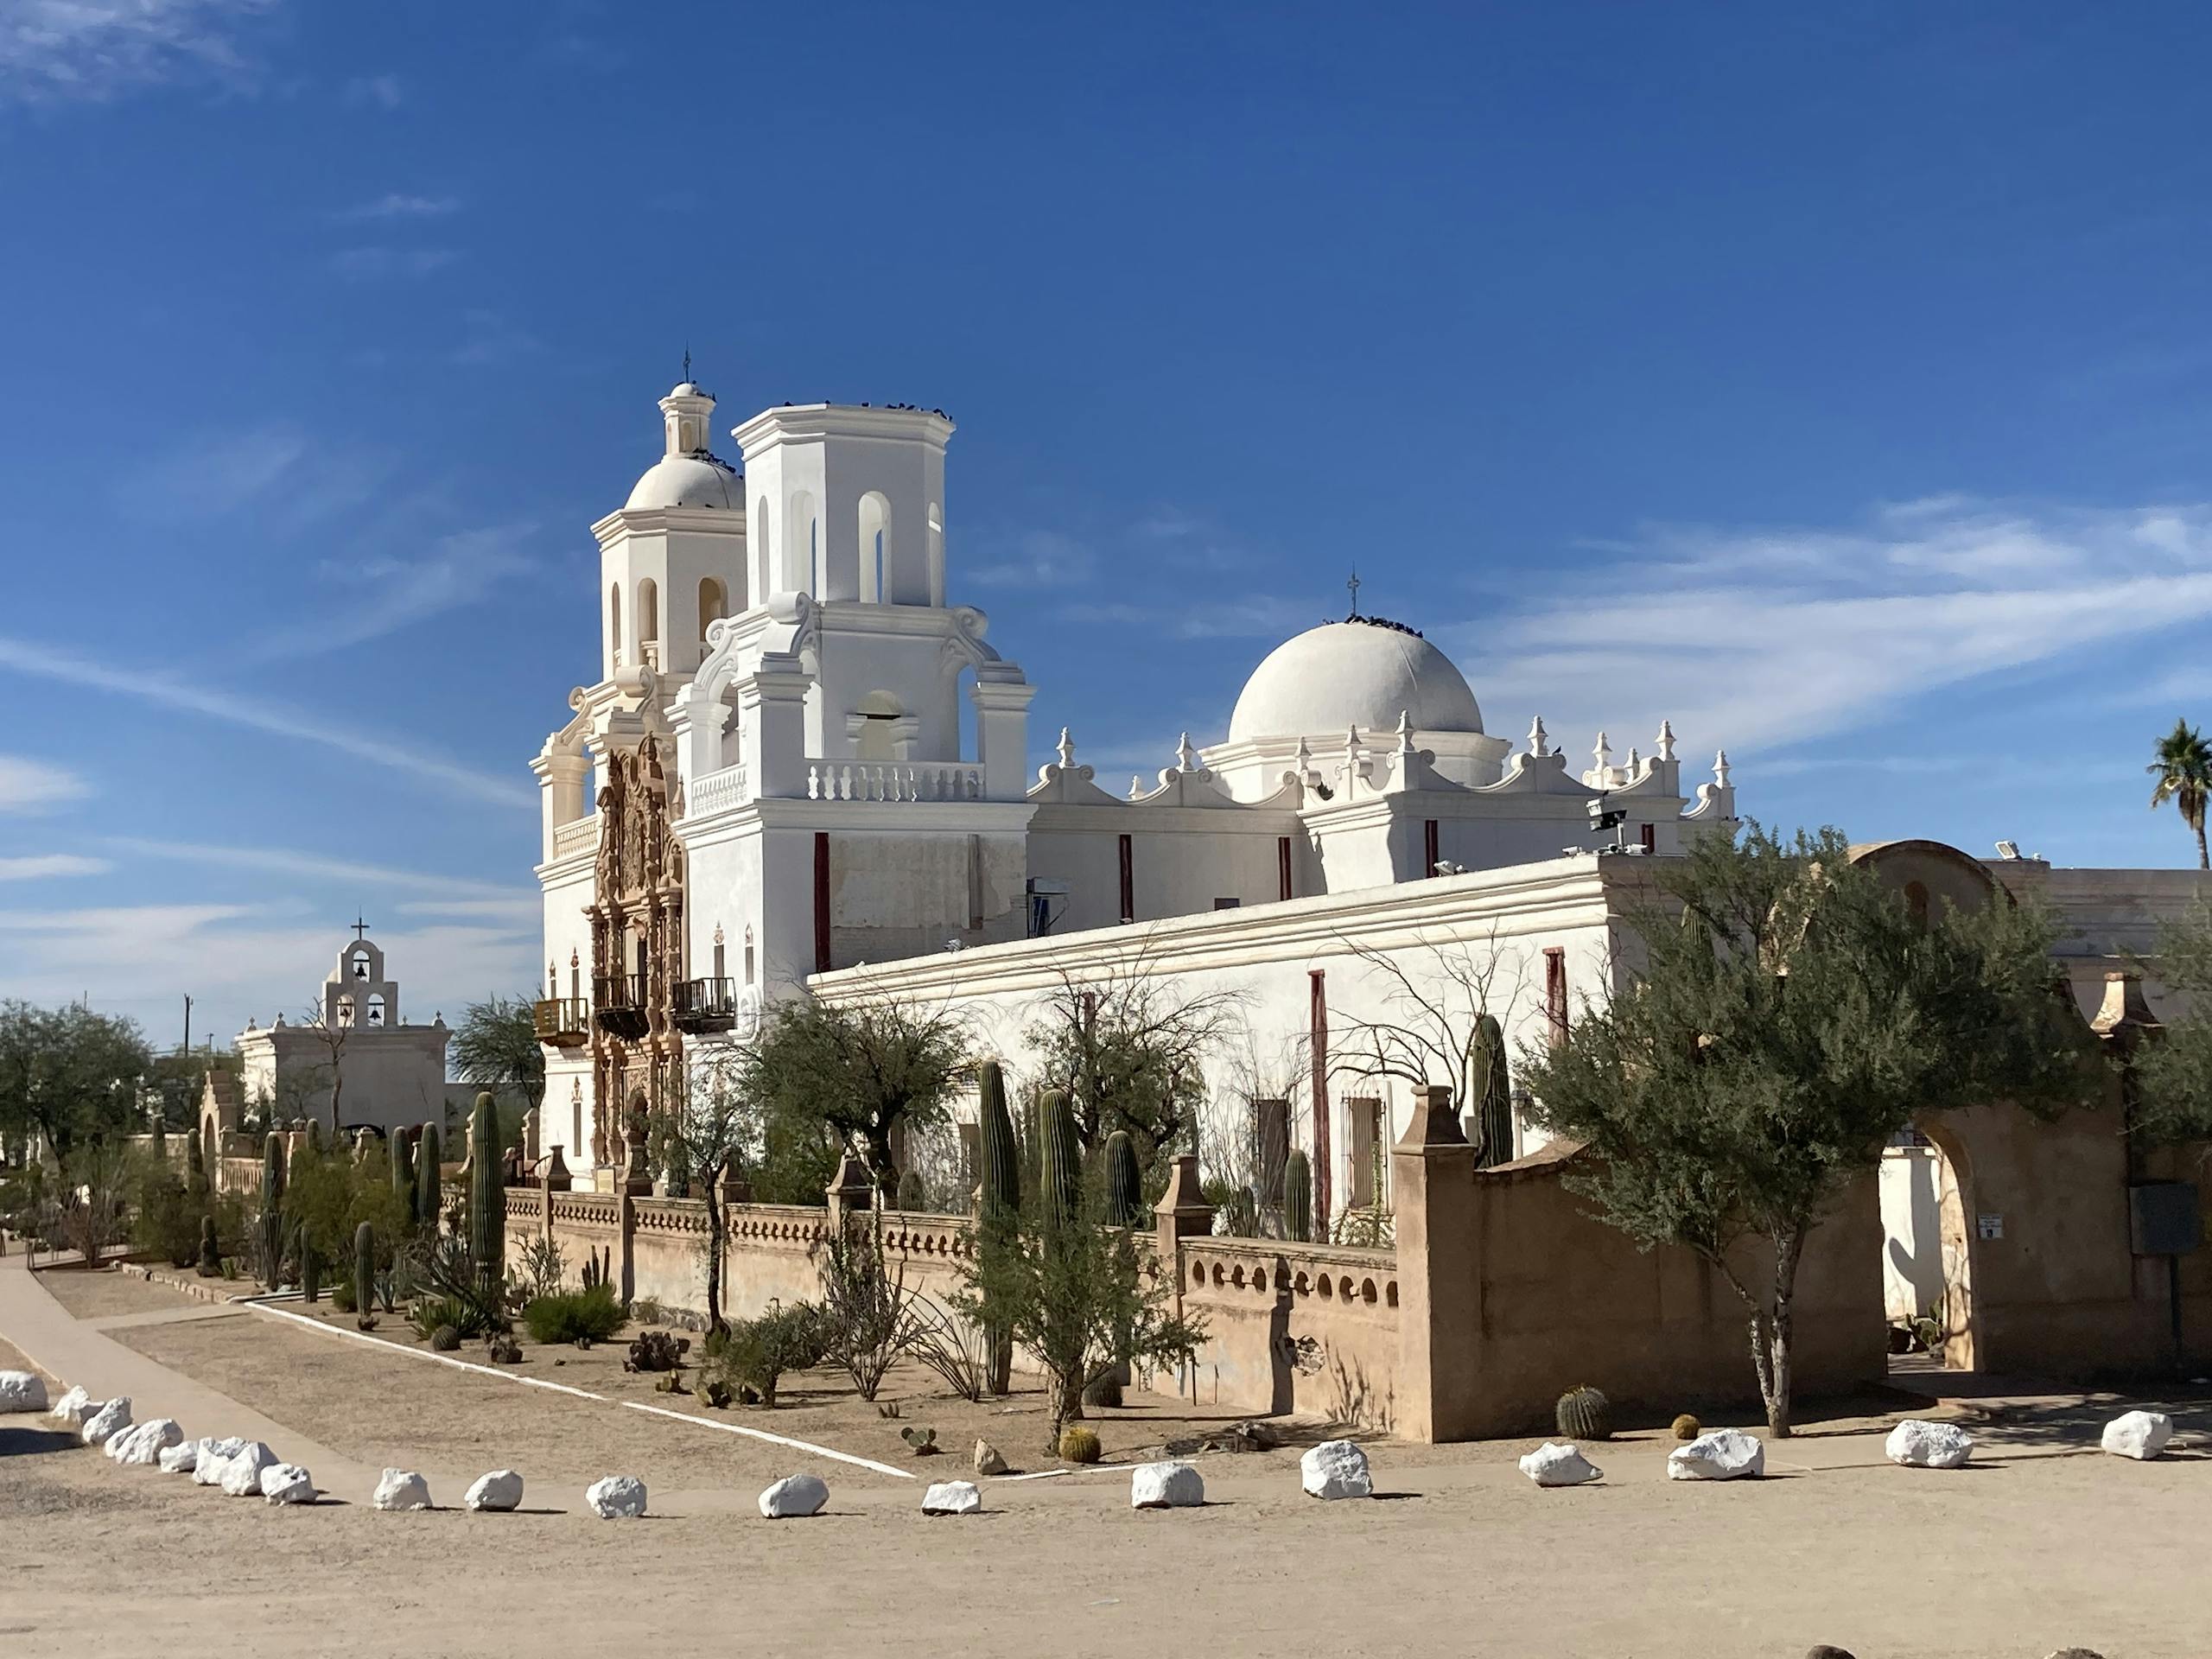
x,y
1440,1331
850,1192
1182,1211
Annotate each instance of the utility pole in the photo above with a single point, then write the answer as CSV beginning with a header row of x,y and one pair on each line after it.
x,y
188,1022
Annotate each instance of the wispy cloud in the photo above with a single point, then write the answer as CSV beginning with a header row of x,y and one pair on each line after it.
x,y
1038,558
376,91
39,867
61,51
434,894
1759,638
397,205
28,786
217,473
491,338
377,263
259,714
1270,616
370,597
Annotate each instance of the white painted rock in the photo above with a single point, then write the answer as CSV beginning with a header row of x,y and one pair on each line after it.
x,y
2138,1434
1558,1464
111,1417
142,1444
989,1460
21,1391
501,1489
242,1471
794,1495
952,1497
620,1495
73,1408
1723,1454
181,1459
1916,1445
1165,1486
1336,1469
213,1454
402,1489
287,1483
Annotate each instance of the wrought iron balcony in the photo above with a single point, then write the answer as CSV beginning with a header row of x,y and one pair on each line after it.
x,y
706,1005
561,1021
618,1004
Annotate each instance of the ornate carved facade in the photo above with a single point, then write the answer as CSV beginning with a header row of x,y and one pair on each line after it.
x,y
637,951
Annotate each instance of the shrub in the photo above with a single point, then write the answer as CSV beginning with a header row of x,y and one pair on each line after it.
x,y
1687,1428
1079,1444
342,1297
1584,1413
747,1361
433,1313
868,1317
579,1316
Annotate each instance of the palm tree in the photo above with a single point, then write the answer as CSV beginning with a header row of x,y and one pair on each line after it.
x,y
2184,770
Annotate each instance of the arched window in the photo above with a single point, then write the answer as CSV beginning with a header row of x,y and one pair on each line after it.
x,y
713,607
376,1010
345,1010
760,537
749,955
801,572
648,611
875,548
614,625
937,554
360,965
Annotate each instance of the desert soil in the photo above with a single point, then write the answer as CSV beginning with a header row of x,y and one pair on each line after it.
x,y
2040,1543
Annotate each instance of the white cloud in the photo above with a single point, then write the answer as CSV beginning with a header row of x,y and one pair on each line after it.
x,y
1269,616
216,473
379,595
1748,638
39,867
261,715
443,895
58,51
28,786
376,264
491,338
382,92
394,204
1041,558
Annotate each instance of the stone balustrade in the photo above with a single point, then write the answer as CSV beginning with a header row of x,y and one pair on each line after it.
x,y
715,792
577,836
893,780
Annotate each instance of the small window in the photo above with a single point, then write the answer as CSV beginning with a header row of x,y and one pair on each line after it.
x,y
1227,904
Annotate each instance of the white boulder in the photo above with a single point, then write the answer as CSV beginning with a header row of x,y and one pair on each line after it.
x,y
181,1459
1558,1464
621,1495
21,1391
501,1489
1165,1486
952,1497
401,1489
110,1418
287,1483
1336,1469
142,1444
207,1470
73,1408
795,1495
1916,1445
1723,1454
2138,1434
242,1470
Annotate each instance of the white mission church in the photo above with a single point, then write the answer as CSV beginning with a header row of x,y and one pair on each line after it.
x,y
765,789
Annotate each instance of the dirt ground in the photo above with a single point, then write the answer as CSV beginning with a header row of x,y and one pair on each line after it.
x,y
107,1291
2040,1543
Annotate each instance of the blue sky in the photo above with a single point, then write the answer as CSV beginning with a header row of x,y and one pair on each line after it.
x,y
1837,384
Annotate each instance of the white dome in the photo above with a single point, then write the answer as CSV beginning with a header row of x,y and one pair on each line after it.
x,y
1358,672
687,482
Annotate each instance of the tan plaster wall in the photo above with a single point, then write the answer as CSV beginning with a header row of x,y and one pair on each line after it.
x,y
1294,1327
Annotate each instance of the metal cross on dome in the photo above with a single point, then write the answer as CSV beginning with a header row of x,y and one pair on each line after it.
x,y
1354,586
360,927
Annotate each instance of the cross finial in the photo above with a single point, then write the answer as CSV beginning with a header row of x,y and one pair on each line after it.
x,y
360,928
1354,586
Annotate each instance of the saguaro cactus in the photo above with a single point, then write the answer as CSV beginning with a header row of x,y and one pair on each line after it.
x,y
1298,1196
487,1196
430,1178
196,1168
1124,1181
1493,1088
272,1209
402,1177
998,1199
1060,1166
211,1254
364,1267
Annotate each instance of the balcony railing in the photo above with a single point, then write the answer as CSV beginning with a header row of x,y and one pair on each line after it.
x,y
561,1021
706,1005
618,1004
716,792
893,780
577,836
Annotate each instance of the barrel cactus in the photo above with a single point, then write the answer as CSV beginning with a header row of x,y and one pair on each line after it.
x,y
1297,1197
1493,1092
211,1254
445,1339
430,1179
364,1267
1584,1413
487,1197
1687,1427
1060,1169
1124,1181
1079,1444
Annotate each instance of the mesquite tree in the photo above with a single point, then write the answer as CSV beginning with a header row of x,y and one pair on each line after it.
x,y
1790,1014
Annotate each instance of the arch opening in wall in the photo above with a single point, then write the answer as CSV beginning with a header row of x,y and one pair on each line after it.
x,y
937,554
714,604
1929,1228
648,612
375,1016
614,625
876,575
802,545
875,737
761,542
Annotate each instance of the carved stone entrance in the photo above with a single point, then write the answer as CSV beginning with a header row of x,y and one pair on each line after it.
x,y
636,956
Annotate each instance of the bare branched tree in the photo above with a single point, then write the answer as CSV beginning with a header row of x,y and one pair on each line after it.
x,y
332,1034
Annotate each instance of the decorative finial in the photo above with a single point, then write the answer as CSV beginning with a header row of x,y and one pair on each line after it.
x,y
1354,586
1666,739
718,933
1066,750
1136,786
1405,733
360,928
1305,751
687,362
574,959
1720,768
1635,763
1186,757
1540,744
1603,753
